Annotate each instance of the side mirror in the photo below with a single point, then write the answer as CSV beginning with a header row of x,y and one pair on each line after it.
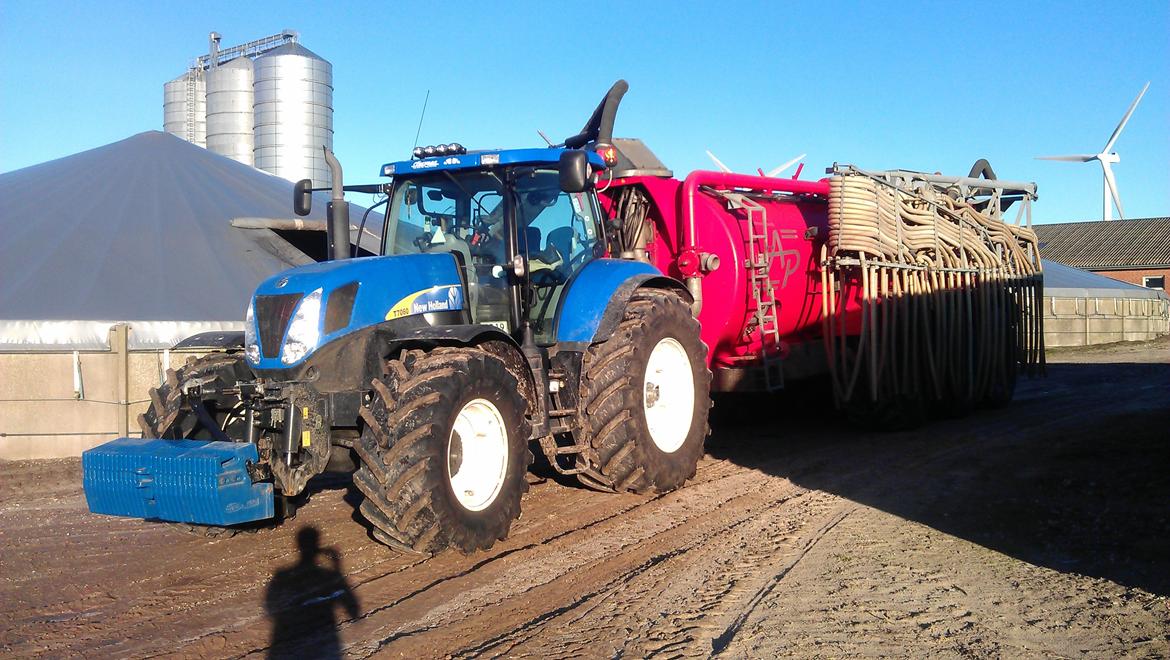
x,y
303,197
574,167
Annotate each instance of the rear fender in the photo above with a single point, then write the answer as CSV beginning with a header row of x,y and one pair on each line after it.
x,y
596,299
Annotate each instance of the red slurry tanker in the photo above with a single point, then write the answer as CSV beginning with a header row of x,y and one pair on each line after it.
x,y
907,288
582,301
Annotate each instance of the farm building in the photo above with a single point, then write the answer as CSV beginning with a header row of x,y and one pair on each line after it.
x,y
110,257
1134,251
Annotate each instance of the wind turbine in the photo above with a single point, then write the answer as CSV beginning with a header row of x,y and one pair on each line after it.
x,y
1106,157
772,173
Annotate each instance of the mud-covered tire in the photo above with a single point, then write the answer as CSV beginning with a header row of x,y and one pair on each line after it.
x,y
616,404
411,454
170,415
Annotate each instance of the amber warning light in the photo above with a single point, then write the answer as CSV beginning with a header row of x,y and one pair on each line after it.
x,y
608,154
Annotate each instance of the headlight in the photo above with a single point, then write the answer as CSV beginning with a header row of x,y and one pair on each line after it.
x,y
251,347
304,332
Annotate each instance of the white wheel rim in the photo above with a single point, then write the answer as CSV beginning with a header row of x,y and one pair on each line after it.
x,y
668,395
477,455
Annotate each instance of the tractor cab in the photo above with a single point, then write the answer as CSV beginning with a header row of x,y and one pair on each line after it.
x,y
520,223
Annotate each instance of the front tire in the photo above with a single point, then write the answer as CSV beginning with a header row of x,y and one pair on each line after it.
x,y
646,397
444,451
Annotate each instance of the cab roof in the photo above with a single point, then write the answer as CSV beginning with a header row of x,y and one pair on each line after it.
x,y
478,159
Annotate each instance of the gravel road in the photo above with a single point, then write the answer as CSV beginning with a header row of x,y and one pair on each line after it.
x,y
1039,529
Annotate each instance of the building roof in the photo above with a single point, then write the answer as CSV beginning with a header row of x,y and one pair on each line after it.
x,y
1105,245
1063,281
137,230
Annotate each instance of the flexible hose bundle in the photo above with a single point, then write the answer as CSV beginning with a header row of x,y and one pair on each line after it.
x,y
949,293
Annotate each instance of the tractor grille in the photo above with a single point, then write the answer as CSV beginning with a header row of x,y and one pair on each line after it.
x,y
273,314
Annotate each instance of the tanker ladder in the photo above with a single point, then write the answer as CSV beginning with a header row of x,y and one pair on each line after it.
x,y
762,251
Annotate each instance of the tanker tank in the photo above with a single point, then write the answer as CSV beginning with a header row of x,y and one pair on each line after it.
x,y
902,287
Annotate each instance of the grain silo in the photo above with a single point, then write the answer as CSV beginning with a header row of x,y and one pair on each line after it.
x,y
266,103
293,113
184,107
229,110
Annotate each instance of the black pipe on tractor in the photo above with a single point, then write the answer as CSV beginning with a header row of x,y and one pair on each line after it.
x,y
599,128
337,212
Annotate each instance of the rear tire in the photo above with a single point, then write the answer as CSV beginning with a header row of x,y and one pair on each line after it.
x,y
445,451
645,397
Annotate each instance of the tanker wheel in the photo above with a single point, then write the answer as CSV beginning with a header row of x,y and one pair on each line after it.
x,y
645,397
172,416
444,451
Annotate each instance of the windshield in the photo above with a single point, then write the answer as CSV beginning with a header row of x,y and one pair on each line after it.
x,y
463,213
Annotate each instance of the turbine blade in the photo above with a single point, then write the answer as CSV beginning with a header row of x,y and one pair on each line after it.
x,y
1111,183
718,163
785,166
1124,120
1076,158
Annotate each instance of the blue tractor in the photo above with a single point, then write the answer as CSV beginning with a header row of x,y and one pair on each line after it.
x,y
490,321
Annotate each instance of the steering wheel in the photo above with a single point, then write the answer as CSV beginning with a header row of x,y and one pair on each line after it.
x,y
576,260
548,277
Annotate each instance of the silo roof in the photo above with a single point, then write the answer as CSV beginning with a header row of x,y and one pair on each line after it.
x,y
137,230
292,48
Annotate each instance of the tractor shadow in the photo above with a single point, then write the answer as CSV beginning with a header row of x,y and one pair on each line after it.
x,y
1059,478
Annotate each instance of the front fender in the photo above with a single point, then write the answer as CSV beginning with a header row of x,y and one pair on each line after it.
x,y
596,297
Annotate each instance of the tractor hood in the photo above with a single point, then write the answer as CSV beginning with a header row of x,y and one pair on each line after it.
x,y
294,313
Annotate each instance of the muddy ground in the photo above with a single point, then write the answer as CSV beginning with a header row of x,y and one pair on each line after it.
x,y
1036,530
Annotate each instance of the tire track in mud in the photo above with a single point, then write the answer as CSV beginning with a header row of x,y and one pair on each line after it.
x,y
631,547
673,602
528,557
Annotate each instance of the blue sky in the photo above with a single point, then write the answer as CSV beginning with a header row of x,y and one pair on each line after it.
x,y
918,85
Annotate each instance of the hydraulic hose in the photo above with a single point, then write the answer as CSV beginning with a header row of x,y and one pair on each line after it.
x,y
949,294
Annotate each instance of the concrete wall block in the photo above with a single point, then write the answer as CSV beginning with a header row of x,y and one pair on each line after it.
x,y
42,419
1065,307
1107,324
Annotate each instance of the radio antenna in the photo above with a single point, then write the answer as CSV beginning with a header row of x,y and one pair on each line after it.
x,y
420,119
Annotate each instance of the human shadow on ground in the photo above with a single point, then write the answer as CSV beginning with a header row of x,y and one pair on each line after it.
x,y
303,600
1072,476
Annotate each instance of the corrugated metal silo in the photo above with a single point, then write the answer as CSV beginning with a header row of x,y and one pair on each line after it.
x,y
185,107
293,113
229,110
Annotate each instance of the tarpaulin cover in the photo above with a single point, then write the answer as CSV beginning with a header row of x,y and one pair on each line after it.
x,y
136,231
1063,281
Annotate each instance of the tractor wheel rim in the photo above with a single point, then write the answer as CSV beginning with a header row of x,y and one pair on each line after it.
x,y
668,395
477,455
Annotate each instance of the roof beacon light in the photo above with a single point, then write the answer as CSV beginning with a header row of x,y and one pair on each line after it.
x,y
417,153
429,151
608,154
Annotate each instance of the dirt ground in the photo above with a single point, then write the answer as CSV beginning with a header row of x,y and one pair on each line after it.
x,y
1035,530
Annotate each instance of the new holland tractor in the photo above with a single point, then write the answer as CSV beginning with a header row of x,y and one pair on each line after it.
x,y
491,320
